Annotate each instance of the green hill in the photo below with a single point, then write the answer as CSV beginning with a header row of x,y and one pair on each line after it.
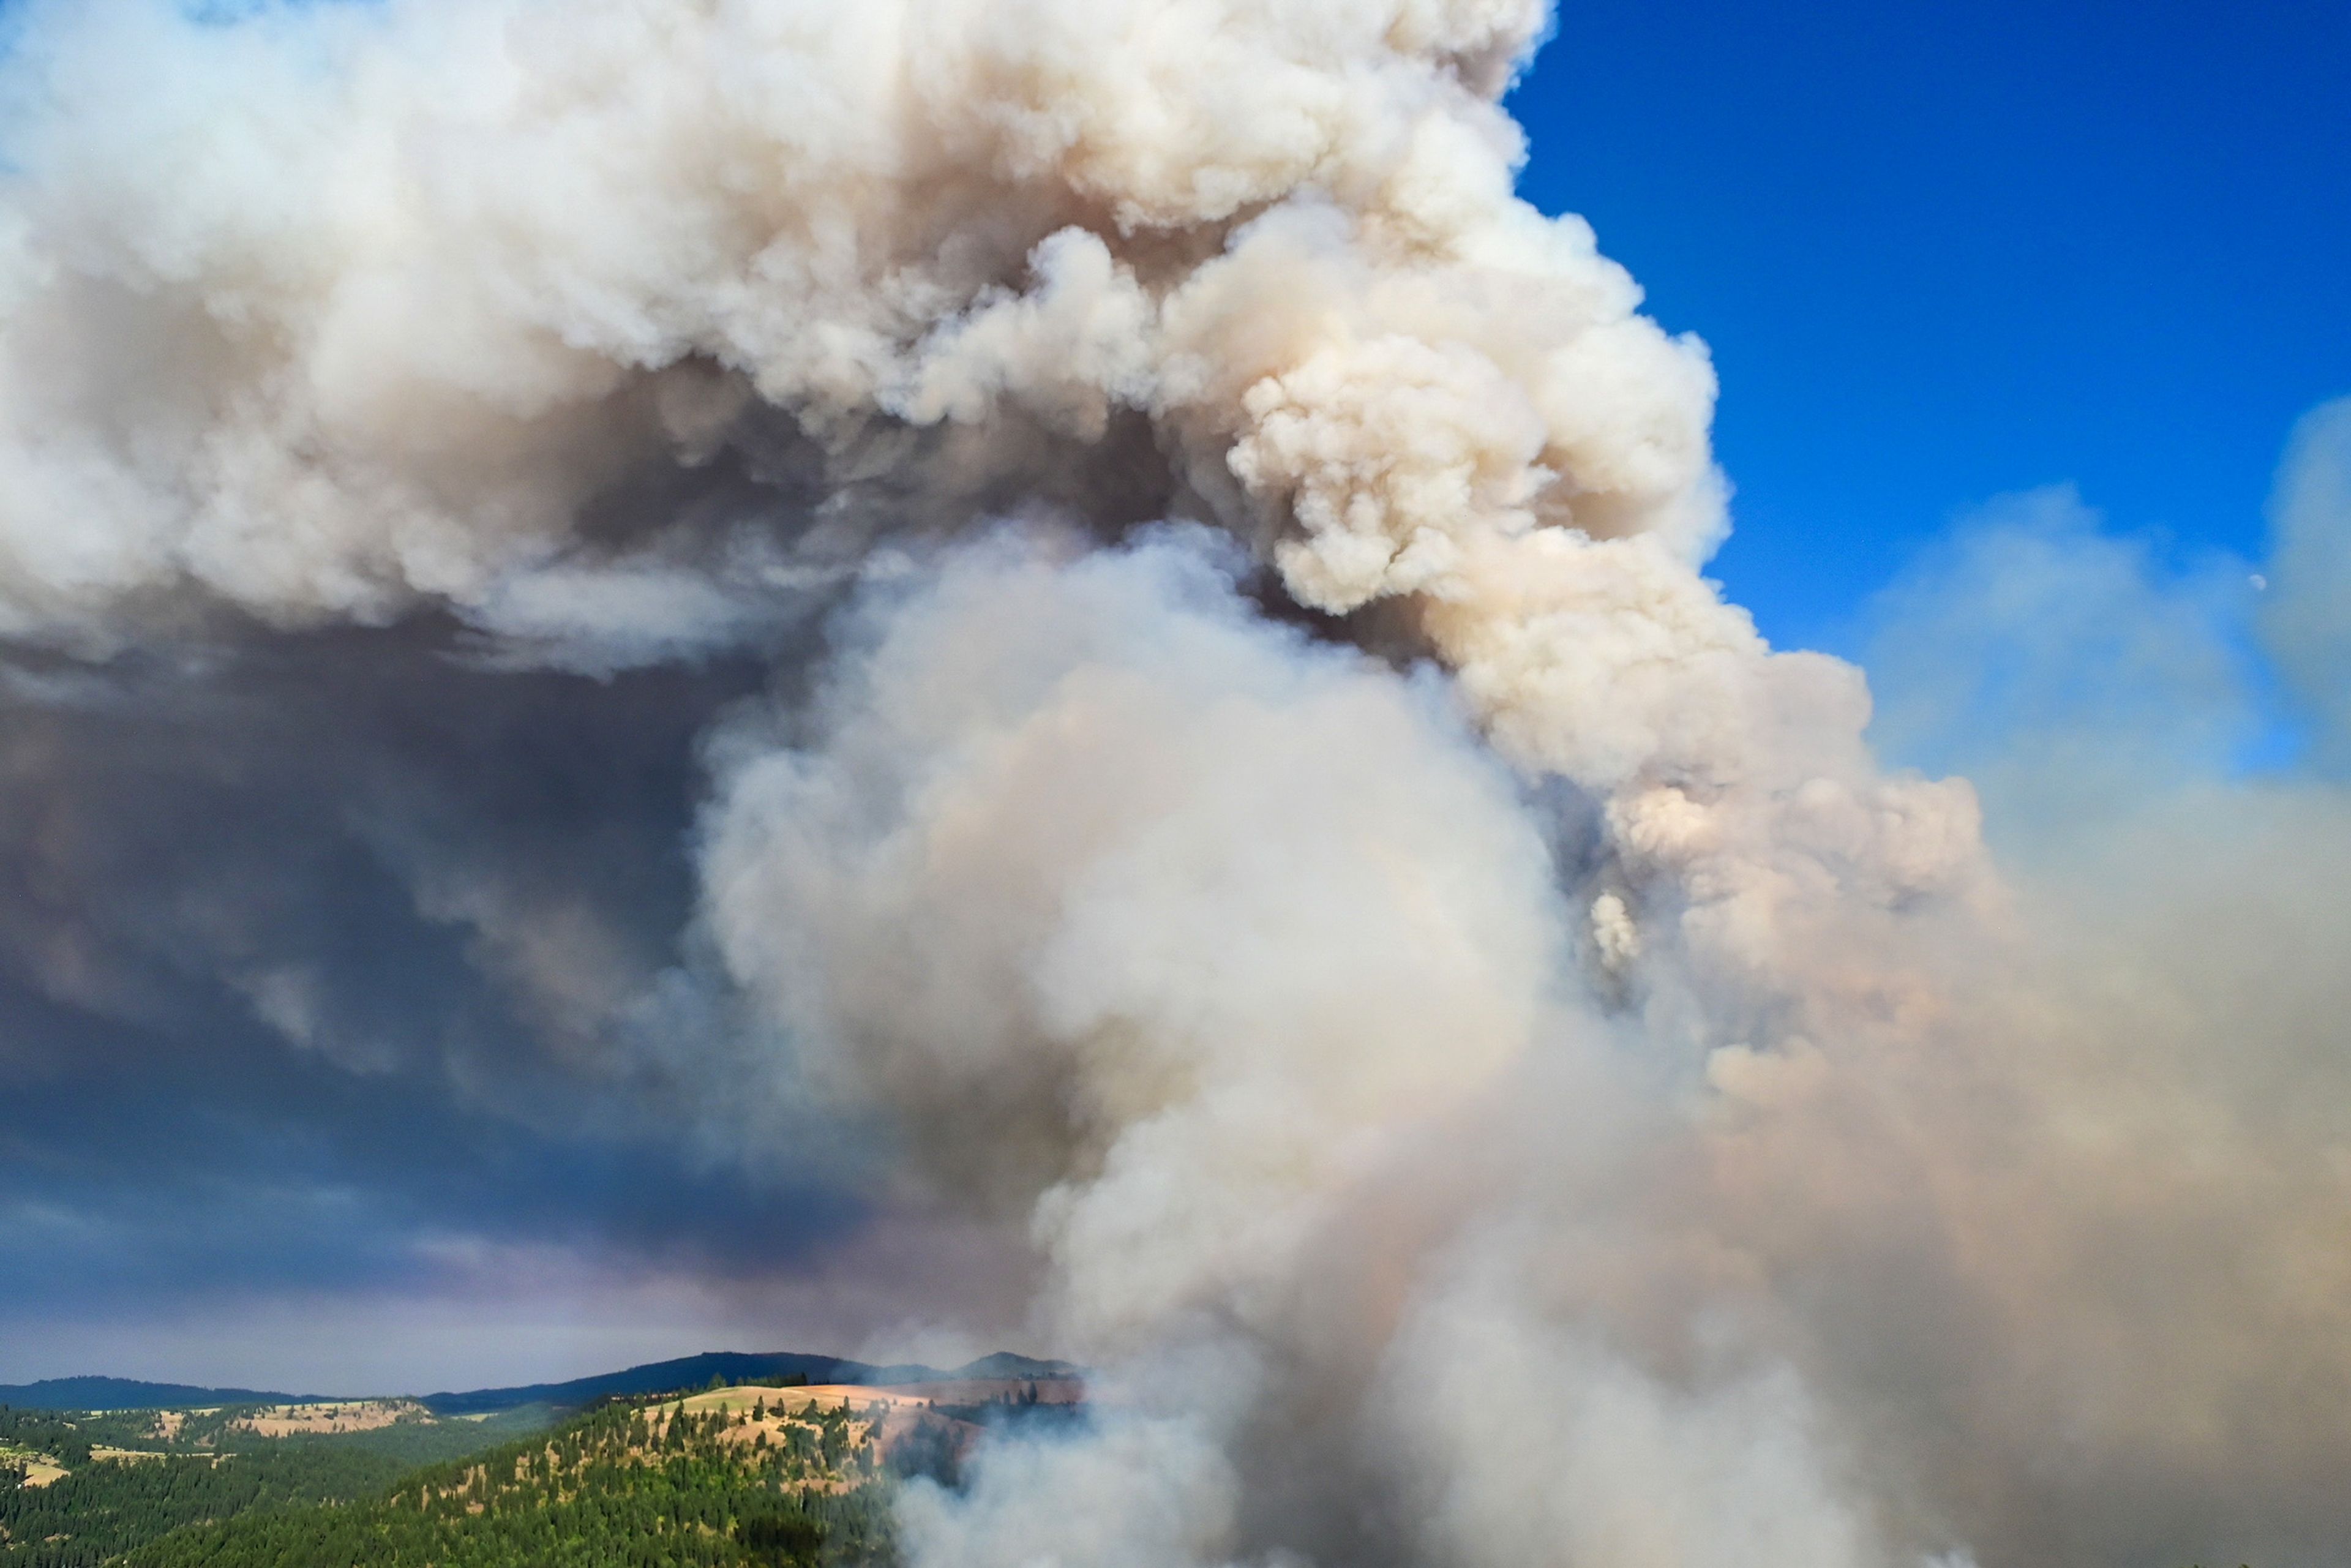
x,y
743,1476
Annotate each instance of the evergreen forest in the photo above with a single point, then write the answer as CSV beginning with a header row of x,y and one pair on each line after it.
x,y
641,1483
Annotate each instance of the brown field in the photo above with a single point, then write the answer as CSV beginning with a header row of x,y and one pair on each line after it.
x,y
887,1417
168,1422
855,1397
343,1416
40,1472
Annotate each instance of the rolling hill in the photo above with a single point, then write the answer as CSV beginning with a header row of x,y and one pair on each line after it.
x,y
130,1393
651,1377
736,1367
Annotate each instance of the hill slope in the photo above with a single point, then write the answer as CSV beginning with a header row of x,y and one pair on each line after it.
x,y
79,1490
722,1480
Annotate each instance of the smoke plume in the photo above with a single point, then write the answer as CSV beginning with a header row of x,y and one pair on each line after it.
x,y
1068,609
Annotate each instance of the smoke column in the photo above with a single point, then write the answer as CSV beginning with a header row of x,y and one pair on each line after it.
x,y
1253,792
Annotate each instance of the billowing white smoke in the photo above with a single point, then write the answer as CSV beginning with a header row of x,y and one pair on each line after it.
x,y
1185,933
1534,1092
343,308
1090,859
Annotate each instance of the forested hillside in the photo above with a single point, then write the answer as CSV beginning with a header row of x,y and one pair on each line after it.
x,y
104,1507
628,1486
82,1489
725,1477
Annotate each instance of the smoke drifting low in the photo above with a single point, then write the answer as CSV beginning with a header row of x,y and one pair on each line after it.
x,y
1068,612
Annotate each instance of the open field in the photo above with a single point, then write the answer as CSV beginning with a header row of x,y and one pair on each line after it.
x,y
341,1415
168,1423
39,1470
855,1397
893,1425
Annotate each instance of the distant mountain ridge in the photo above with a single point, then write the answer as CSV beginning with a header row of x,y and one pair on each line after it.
x,y
652,1377
1004,1363
734,1366
130,1393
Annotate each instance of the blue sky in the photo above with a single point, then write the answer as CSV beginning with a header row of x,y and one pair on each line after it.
x,y
1943,252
